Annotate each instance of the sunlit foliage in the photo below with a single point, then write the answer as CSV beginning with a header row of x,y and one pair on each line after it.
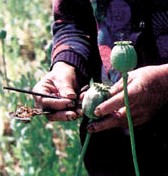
x,y
38,148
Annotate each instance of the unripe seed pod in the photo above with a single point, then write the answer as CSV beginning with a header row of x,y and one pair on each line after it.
x,y
123,56
95,95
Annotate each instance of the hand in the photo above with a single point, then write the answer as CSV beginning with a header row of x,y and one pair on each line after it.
x,y
147,87
60,81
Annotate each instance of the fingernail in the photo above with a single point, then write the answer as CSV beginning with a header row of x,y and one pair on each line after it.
x,y
70,105
85,88
71,95
97,112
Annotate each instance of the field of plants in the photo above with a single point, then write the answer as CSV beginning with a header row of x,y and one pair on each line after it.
x,y
38,148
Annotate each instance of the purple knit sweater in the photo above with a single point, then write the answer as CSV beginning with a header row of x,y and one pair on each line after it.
x,y
80,41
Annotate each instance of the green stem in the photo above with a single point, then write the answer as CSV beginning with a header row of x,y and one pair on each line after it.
x,y
84,148
4,61
130,124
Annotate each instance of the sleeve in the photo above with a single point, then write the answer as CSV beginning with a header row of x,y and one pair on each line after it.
x,y
75,35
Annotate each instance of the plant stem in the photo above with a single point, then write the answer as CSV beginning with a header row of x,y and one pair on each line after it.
x,y
130,124
4,61
81,157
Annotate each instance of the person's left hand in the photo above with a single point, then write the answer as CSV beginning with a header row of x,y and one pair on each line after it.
x,y
146,91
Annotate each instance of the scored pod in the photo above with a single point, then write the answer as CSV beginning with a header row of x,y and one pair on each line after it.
x,y
96,94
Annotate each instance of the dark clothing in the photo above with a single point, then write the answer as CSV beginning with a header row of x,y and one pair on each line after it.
x,y
109,152
85,42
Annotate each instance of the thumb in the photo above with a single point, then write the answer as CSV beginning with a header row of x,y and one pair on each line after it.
x,y
67,92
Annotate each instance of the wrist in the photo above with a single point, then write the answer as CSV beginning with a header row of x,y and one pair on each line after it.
x,y
71,58
63,65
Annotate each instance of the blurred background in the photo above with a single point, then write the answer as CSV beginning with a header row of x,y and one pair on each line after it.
x,y
38,148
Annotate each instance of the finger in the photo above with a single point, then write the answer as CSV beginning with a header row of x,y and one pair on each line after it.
x,y
45,88
123,117
84,88
117,87
62,116
122,112
108,122
81,96
109,106
67,91
83,91
49,87
56,104
138,117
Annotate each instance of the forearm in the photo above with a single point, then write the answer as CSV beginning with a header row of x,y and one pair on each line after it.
x,y
74,34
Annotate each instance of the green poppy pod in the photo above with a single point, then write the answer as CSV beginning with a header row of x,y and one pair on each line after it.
x,y
96,94
123,56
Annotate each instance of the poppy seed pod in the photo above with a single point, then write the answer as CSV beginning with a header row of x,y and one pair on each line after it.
x,y
123,56
95,95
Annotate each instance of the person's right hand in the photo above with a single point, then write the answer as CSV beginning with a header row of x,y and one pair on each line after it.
x,y
60,81
147,93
